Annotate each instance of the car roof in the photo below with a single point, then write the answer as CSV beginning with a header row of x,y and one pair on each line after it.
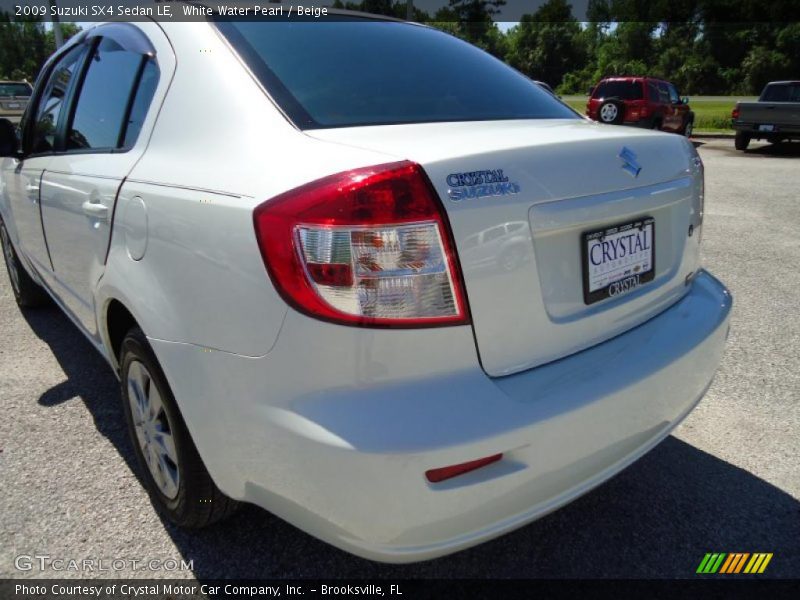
x,y
633,78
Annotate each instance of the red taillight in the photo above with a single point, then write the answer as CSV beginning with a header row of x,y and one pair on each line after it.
x,y
645,112
735,113
437,475
368,247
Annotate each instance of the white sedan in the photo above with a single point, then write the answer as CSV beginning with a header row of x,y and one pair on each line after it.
x,y
292,242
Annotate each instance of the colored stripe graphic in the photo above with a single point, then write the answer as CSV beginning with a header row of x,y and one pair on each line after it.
x,y
765,563
758,563
711,562
701,568
741,562
734,563
727,564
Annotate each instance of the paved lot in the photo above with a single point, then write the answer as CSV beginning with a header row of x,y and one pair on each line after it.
x,y
727,480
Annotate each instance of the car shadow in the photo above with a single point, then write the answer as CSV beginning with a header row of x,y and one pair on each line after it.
x,y
88,376
784,150
655,519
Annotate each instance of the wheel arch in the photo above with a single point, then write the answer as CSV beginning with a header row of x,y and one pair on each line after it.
x,y
119,321
115,319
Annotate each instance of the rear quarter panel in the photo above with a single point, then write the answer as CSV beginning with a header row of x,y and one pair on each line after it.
x,y
218,149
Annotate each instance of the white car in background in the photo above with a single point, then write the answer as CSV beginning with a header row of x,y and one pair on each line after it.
x,y
260,226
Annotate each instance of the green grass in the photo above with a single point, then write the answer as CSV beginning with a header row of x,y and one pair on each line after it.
x,y
712,113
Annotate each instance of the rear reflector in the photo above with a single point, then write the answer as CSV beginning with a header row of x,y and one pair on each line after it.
x,y
437,475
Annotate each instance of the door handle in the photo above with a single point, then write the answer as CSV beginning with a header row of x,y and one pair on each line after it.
x,y
95,210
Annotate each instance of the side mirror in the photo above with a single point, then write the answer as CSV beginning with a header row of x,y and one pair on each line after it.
x,y
9,144
685,100
591,89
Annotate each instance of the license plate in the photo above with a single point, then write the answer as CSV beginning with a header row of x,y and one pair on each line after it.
x,y
766,127
11,105
618,259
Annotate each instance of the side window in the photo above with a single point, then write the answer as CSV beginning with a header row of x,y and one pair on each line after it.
x,y
51,103
662,87
141,103
674,98
652,89
101,112
493,234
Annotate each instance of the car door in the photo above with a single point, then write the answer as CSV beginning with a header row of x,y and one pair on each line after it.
x,y
97,149
670,122
38,132
679,108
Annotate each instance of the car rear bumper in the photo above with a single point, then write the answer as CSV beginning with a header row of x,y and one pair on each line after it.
x,y
647,123
780,129
336,437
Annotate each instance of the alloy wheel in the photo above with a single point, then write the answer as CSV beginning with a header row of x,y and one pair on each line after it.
x,y
154,431
608,112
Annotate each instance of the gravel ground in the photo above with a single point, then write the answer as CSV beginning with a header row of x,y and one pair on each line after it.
x,y
727,480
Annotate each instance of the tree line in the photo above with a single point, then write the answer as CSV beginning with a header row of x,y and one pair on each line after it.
x,y
25,45
716,47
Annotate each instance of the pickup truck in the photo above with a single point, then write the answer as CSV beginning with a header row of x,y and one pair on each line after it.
x,y
775,117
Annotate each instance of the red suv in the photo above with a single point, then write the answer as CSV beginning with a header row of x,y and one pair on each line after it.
x,y
640,101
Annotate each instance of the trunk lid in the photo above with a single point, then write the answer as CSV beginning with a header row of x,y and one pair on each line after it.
x,y
519,237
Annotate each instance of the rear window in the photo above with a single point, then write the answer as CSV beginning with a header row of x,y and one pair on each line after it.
x,y
626,90
14,89
782,92
366,72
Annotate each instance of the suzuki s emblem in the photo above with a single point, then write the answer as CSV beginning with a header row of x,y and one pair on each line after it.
x,y
629,162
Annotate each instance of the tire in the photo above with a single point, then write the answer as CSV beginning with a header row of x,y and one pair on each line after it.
x,y
179,485
611,111
742,140
688,128
27,292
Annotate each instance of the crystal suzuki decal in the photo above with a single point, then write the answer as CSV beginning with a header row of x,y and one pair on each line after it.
x,y
480,184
